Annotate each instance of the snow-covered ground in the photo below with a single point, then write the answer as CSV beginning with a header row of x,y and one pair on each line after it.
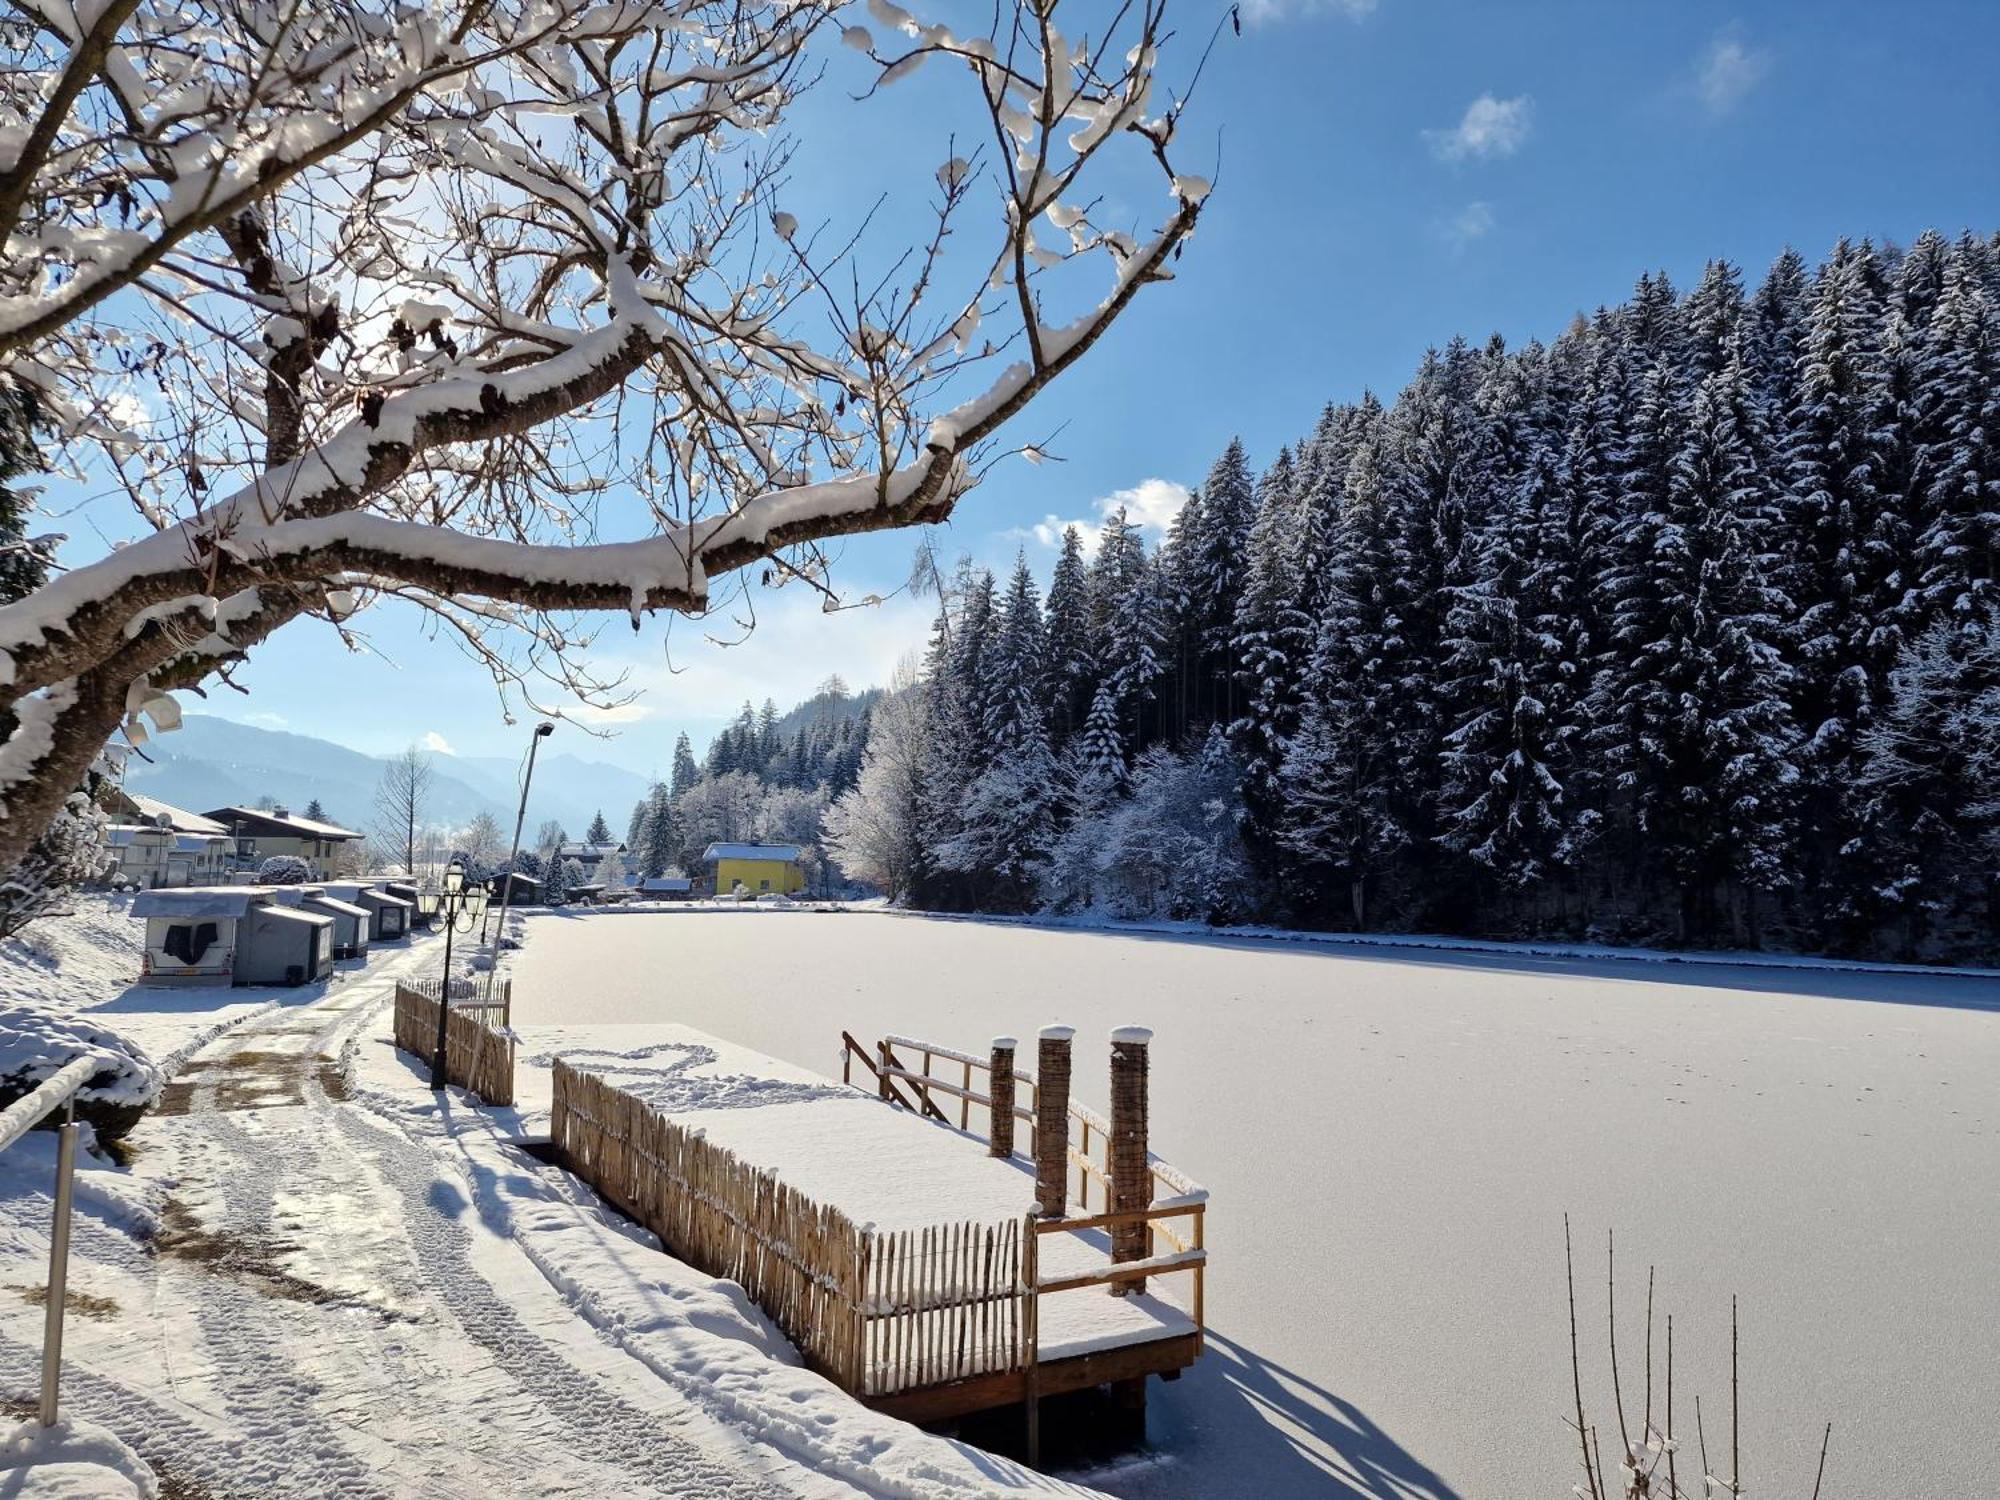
x,y
1392,1136
311,1280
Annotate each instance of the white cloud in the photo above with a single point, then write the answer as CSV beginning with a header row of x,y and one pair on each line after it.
x,y
437,743
1258,12
1473,222
793,649
1151,505
1490,127
1728,71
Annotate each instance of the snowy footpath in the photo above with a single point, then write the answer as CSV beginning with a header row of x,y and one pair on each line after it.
x,y
310,1279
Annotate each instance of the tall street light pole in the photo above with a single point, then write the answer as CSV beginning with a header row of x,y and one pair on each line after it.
x,y
542,731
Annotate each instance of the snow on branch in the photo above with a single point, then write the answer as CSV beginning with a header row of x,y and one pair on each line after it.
x,y
353,300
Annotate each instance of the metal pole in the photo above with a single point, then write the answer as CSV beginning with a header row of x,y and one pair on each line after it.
x,y
52,1322
507,882
445,905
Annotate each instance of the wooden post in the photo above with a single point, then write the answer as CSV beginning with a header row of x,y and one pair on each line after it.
x,y
1000,1116
1131,1176
1052,1122
883,1084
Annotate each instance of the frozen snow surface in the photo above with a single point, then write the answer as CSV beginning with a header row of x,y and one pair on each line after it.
x,y
1391,1135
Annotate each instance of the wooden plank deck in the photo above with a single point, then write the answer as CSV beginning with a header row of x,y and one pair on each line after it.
x,y
889,1171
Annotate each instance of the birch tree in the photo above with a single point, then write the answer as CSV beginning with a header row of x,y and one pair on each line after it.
x,y
357,300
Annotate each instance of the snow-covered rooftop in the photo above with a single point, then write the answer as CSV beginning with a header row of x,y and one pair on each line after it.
x,y
749,851
178,818
288,822
199,901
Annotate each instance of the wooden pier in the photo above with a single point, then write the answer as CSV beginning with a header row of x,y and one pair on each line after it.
x,y
882,1227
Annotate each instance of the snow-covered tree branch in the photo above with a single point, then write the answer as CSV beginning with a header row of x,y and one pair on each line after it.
x,y
356,300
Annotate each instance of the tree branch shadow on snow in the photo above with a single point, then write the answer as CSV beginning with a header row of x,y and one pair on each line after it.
x,y
1293,1437
1942,989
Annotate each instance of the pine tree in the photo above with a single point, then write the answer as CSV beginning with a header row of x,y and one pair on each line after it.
x,y
599,831
659,845
1513,673
1272,639
556,882
1015,667
315,811
686,772
1958,552
1208,577
1071,670
1707,740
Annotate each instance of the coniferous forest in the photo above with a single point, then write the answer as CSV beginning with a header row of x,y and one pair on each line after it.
x,y
1681,628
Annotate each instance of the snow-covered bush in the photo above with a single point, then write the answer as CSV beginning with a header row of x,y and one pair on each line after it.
x,y
284,869
37,1042
1175,847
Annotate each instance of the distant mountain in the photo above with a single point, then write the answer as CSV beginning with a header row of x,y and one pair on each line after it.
x,y
213,762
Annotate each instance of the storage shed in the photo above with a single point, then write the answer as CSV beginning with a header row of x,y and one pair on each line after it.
x,y
192,932
388,916
350,922
283,945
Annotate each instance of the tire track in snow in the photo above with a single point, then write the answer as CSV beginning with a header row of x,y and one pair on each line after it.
x,y
603,1422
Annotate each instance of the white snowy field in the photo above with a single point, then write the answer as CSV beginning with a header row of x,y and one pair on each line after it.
x,y
1392,1137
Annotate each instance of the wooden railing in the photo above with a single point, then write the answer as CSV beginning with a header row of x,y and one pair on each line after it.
x,y
479,1044
1175,1221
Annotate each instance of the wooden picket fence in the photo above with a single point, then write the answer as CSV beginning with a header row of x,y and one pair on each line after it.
x,y
876,1312
479,1045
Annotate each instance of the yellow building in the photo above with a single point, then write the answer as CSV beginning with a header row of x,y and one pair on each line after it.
x,y
755,869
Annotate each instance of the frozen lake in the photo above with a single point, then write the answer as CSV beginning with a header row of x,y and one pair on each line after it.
x,y
1392,1138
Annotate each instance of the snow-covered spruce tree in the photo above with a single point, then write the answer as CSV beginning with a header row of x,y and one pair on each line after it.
x,y
1209,547
1014,665
1706,744
659,844
381,295
1071,669
1958,552
1340,774
556,882
1514,680
1429,467
686,770
1847,545
599,831
1272,642
1931,783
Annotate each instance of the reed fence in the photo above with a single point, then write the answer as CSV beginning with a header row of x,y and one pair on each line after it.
x,y
478,1057
877,1312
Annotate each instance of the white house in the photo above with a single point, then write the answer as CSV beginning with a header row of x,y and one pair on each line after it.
x,y
158,844
259,835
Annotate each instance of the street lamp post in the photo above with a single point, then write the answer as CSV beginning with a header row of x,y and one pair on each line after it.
x,y
460,905
542,731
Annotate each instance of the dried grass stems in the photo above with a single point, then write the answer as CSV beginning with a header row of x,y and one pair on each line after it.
x,y
1648,1466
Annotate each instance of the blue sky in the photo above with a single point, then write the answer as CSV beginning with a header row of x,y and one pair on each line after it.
x,y
1389,174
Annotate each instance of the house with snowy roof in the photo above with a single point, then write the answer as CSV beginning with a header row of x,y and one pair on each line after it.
x,y
587,854
260,834
157,844
754,869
